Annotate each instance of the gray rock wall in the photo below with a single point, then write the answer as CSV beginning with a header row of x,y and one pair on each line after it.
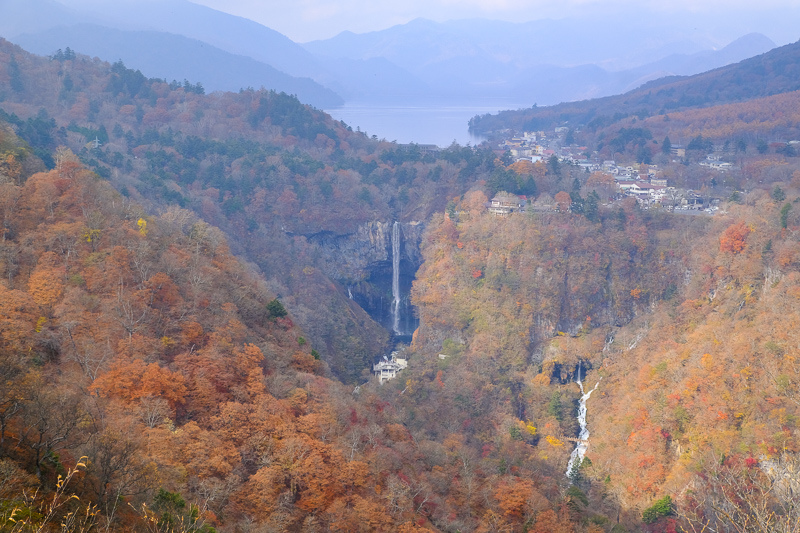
x,y
361,262
352,257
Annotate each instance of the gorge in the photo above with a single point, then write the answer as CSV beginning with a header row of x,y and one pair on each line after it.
x,y
376,265
190,300
577,455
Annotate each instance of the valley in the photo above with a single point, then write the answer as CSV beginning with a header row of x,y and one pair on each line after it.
x,y
195,287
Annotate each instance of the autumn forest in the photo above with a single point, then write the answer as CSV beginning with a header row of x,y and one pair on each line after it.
x,y
191,289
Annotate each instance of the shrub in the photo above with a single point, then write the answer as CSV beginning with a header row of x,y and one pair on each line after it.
x,y
275,309
659,509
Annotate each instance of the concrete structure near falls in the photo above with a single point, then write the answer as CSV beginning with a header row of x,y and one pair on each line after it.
x,y
387,368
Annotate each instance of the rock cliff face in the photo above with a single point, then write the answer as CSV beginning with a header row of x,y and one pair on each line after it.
x,y
361,262
350,258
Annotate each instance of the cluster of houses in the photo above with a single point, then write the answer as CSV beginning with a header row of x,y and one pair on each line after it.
x,y
642,182
648,189
531,146
537,146
646,194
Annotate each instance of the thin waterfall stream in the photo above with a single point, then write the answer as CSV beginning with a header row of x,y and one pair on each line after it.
x,y
583,438
396,278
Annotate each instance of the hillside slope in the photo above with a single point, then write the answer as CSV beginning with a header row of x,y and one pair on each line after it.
x,y
686,324
139,342
149,380
171,39
169,56
293,188
771,73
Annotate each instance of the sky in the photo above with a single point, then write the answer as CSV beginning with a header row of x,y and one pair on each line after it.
x,y
306,20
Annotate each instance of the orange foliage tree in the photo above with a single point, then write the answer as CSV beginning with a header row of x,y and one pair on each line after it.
x,y
733,238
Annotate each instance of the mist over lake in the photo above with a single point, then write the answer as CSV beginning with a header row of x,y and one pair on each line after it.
x,y
431,123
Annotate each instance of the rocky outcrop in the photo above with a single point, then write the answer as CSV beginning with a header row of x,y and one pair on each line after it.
x,y
352,257
361,262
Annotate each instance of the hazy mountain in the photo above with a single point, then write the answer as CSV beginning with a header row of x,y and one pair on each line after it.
x,y
170,39
744,47
545,61
29,16
421,42
163,55
552,84
233,34
774,72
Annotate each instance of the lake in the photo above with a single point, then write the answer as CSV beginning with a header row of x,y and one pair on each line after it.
x,y
438,124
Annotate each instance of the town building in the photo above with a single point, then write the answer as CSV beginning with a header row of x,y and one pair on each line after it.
x,y
505,203
715,161
678,150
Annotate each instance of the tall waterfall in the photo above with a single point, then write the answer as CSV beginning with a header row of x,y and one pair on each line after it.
x,y
583,439
396,278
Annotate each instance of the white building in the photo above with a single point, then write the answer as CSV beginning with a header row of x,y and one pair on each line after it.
x,y
715,161
505,203
388,369
645,193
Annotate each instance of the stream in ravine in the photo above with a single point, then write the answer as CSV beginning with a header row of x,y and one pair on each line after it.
x,y
583,438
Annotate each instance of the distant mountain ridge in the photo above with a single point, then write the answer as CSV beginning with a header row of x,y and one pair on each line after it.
x,y
421,42
542,61
236,35
188,58
688,64
461,61
771,73
32,16
221,51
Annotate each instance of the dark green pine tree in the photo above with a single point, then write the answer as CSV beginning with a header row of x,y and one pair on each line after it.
x,y
591,208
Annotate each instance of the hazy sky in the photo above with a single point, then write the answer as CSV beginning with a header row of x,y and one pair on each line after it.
x,y
305,20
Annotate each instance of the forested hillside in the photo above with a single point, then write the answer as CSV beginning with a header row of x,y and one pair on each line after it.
x,y
150,380
756,136
272,173
125,338
686,323
771,73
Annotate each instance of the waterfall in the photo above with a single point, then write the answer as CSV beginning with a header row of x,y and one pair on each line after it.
x,y
583,438
396,278
349,293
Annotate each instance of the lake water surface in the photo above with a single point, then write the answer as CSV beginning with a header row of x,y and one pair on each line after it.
x,y
438,124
